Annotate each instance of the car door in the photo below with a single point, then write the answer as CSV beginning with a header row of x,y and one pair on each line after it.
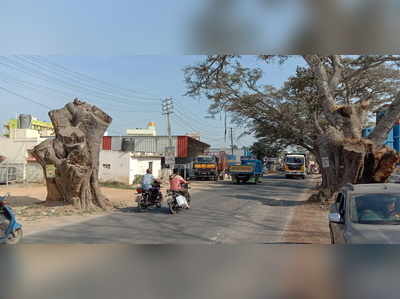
x,y
338,229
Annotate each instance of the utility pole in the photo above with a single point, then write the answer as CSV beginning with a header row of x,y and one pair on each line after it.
x,y
232,140
167,110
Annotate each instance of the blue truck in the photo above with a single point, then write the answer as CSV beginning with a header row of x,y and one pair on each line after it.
x,y
249,170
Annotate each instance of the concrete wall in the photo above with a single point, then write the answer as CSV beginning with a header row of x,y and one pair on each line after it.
x,y
34,173
140,165
15,150
123,167
114,166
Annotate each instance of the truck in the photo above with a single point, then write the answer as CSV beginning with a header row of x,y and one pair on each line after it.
x,y
295,165
206,167
248,170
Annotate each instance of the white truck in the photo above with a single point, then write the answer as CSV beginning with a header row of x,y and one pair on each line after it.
x,y
295,165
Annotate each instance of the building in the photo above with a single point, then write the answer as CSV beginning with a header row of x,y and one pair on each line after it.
x,y
24,121
15,150
393,139
149,131
123,158
126,167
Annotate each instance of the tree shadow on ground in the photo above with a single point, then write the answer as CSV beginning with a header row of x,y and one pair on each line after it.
x,y
272,202
21,201
136,210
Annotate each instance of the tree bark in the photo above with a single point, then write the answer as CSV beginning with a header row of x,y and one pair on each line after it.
x,y
79,129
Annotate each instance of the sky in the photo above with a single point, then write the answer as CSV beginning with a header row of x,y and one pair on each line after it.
x,y
133,52
128,88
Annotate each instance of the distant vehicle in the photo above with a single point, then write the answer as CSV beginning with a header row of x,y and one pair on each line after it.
x,y
206,167
366,214
295,165
249,169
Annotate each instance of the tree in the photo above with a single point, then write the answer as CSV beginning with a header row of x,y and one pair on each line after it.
x,y
322,108
79,129
263,148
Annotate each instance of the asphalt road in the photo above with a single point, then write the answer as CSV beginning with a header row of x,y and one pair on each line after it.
x,y
221,212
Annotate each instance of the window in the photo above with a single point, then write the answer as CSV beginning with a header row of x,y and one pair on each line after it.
x,y
107,166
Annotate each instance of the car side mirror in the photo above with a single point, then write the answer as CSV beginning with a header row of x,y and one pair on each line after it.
x,y
335,218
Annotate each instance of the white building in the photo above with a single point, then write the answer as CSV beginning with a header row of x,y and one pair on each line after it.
x,y
15,149
124,167
149,131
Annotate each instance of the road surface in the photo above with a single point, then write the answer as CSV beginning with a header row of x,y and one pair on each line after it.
x,y
221,212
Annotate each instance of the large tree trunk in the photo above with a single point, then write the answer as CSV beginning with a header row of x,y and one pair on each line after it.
x,y
79,129
354,161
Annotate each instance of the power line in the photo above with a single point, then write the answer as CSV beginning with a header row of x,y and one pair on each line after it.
x,y
16,65
72,76
41,59
26,98
26,84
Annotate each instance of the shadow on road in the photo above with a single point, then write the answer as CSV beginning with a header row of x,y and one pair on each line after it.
x,y
272,202
152,210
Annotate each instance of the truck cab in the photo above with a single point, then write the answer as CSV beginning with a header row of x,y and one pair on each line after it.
x,y
206,167
249,169
295,165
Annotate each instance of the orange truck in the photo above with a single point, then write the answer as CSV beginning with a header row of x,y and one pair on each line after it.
x,y
211,166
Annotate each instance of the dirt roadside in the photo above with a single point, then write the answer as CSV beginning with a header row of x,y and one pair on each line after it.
x,y
309,223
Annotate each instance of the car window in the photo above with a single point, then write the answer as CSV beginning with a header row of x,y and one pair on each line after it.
x,y
377,208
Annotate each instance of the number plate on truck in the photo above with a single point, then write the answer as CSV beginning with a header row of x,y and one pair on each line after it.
x,y
241,168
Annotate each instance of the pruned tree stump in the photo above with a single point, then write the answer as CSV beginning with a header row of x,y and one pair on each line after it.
x,y
79,129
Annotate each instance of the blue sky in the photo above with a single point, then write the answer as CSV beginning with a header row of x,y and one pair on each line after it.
x,y
137,45
144,81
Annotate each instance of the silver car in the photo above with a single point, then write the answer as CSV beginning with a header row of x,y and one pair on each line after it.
x,y
366,214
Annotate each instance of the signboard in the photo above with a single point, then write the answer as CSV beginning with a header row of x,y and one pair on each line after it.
x,y
170,156
325,162
50,171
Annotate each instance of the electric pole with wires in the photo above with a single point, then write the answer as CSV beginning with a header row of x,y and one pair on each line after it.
x,y
167,110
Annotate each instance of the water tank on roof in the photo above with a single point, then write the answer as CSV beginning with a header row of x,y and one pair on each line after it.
x,y
128,145
25,121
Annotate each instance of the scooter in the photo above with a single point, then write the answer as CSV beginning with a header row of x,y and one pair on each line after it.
x,y
10,229
177,201
149,198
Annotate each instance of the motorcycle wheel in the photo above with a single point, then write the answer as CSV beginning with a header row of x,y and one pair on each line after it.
x,y
172,209
188,201
15,237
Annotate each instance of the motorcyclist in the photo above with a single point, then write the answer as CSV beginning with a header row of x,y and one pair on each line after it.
x,y
147,181
176,182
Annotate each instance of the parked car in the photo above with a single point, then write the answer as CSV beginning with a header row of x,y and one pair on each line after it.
x,y
366,214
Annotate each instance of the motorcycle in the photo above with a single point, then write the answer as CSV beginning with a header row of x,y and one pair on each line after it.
x,y
179,199
10,229
149,198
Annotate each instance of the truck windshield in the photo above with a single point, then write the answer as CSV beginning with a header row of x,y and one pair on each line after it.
x,y
296,160
205,160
